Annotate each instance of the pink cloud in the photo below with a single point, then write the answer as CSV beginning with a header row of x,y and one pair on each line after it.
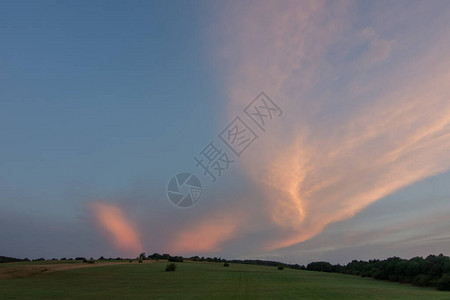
x,y
328,165
117,227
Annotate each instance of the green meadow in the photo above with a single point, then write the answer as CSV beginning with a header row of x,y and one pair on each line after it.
x,y
193,280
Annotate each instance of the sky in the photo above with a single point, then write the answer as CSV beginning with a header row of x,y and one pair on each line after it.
x,y
341,111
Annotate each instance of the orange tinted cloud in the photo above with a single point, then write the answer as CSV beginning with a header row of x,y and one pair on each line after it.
x,y
113,222
365,115
205,235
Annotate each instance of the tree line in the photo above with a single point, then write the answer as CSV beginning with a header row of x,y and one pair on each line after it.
x,y
432,271
6,259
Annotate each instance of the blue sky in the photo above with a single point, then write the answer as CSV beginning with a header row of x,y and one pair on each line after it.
x,y
98,93
102,102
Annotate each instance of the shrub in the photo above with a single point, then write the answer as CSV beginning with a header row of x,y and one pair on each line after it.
x,y
443,284
226,264
171,267
280,268
91,261
130,261
140,260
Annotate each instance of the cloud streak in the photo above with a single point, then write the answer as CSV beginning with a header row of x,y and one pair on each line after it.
x,y
366,115
121,232
205,236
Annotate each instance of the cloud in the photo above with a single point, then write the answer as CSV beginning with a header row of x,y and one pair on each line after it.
x,y
366,114
353,132
379,50
408,223
121,232
376,49
205,236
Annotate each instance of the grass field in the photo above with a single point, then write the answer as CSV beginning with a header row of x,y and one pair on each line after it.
x,y
191,280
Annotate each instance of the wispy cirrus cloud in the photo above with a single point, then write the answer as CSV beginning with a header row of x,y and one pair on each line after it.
x,y
367,102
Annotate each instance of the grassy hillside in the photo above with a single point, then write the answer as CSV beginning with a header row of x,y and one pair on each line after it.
x,y
194,280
